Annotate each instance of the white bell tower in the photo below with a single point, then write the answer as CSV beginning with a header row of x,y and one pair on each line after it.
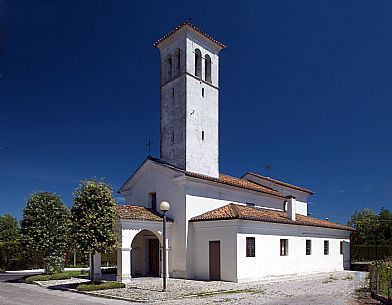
x,y
189,100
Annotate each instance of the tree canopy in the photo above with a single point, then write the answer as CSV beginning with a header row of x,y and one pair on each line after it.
x,y
45,226
9,228
93,217
372,228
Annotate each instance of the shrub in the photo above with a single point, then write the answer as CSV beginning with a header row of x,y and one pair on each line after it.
x,y
99,286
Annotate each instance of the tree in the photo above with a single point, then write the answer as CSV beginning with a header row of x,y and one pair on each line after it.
x,y
366,225
385,222
9,229
45,229
93,218
9,241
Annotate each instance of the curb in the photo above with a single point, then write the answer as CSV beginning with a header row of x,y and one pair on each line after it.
x,y
96,294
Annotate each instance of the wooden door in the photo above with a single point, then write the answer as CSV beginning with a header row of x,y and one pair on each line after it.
x,y
215,261
153,257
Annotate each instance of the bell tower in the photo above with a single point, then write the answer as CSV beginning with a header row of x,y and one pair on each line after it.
x,y
190,100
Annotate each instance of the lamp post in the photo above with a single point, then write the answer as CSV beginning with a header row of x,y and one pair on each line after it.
x,y
165,206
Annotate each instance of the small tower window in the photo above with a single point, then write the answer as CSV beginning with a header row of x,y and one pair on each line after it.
x,y
197,63
207,69
170,68
202,92
172,92
202,135
172,137
178,61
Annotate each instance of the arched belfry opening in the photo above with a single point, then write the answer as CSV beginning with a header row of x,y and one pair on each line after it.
x,y
145,255
207,69
198,63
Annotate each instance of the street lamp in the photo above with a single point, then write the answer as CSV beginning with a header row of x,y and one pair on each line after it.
x,y
165,206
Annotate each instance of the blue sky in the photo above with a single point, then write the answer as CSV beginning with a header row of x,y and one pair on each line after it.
x,y
305,86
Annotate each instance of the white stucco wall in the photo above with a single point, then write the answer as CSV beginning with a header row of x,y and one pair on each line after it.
x,y
268,261
235,266
300,196
155,178
225,231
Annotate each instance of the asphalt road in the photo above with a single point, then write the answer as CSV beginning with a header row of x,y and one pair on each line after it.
x,y
12,293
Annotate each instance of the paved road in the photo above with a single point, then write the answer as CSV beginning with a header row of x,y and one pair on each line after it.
x,y
25,294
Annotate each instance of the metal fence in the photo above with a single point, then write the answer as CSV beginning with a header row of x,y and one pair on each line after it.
x,y
380,278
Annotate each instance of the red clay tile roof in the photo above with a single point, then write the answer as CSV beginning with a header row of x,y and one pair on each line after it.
x,y
232,181
236,211
193,27
137,213
223,179
281,183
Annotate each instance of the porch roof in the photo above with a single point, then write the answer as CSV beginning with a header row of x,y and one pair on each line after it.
x,y
136,212
236,211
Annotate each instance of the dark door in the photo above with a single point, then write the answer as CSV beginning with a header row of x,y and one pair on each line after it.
x,y
215,261
153,257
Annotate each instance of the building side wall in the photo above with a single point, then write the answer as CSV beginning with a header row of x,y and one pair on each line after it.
x,y
269,262
156,179
225,232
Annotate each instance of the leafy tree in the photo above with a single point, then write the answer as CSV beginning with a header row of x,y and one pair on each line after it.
x,y
45,229
9,241
366,225
93,218
9,229
385,223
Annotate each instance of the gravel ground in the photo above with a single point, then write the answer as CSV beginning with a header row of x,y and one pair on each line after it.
x,y
335,288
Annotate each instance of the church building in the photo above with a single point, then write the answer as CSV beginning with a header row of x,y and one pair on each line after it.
x,y
219,227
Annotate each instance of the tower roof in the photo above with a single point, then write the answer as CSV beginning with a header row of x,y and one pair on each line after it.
x,y
189,24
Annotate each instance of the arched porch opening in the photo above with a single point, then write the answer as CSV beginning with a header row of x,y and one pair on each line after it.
x,y
146,254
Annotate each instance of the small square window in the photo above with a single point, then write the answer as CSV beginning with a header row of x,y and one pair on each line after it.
x,y
308,247
284,247
250,247
326,247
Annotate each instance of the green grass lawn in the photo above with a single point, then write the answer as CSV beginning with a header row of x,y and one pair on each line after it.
x,y
57,276
98,286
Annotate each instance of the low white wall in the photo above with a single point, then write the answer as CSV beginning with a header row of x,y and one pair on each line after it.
x,y
268,261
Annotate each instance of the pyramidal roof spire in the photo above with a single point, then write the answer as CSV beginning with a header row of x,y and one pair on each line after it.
x,y
190,25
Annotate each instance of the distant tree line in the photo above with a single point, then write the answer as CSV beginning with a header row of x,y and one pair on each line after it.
x,y
49,231
372,239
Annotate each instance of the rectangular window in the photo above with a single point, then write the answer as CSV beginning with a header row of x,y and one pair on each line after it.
x,y
284,247
308,247
341,248
250,247
172,92
202,135
202,92
326,247
152,198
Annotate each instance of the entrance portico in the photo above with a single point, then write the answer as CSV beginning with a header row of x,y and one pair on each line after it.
x,y
140,251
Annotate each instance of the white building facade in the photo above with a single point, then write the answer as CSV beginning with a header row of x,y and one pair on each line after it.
x,y
220,227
